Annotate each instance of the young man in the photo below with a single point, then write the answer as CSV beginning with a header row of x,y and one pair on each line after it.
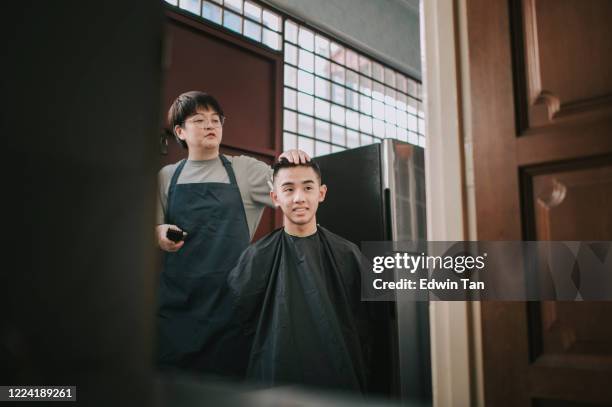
x,y
216,201
297,294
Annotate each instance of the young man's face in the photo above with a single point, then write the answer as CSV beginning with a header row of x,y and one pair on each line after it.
x,y
202,130
297,191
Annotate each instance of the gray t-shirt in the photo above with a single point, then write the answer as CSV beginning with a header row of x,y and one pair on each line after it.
x,y
252,176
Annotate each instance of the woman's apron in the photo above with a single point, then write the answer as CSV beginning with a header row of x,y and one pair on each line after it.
x,y
194,317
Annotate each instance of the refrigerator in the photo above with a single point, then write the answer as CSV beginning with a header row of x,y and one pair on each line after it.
x,y
376,193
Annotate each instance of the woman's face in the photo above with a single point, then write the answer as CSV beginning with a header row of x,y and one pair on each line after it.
x,y
202,131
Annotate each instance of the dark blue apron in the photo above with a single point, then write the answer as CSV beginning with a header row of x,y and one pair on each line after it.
x,y
194,315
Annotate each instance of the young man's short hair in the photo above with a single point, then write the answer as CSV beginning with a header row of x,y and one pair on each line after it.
x,y
186,105
284,163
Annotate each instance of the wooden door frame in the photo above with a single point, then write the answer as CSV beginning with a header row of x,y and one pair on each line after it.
x,y
456,337
237,40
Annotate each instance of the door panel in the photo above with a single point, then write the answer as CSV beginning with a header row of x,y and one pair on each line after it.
x,y
541,89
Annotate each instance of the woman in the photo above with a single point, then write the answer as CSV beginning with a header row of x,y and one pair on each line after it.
x,y
216,201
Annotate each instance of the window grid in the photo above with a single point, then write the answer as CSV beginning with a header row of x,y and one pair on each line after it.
x,y
336,97
370,101
247,18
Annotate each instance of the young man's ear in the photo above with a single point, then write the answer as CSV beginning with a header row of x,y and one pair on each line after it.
x,y
322,192
274,199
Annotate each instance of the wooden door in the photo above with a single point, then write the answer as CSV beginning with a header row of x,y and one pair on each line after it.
x,y
245,78
541,91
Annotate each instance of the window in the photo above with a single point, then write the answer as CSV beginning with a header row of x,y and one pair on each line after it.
x,y
240,16
336,98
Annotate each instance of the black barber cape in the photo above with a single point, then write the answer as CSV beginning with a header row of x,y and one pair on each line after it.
x,y
298,302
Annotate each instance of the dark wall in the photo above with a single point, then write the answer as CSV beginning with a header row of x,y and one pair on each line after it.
x,y
80,89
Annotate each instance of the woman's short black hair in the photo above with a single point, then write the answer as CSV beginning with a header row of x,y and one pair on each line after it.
x,y
284,163
186,105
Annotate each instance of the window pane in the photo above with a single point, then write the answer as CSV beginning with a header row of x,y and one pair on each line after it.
x,y
365,123
322,67
271,39
232,21
305,103
421,111
401,101
337,114
252,10
306,39
378,128
337,53
322,109
306,125
389,77
412,106
352,99
422,141
402,119
402,134
377,71
323,130
291,54
365,85
338,135
378,109
337,94
252,30
305,82
401,83
389,96
412,123
365,140
352,79
335,149
365,66
322,88
173,2
413,138
211,12
193,6
352,60
421,126
337,73
352,119
289,141
291,30
352,139
365,104
290,76
390,131
378,91
322,46
290,99
390,114
322,148
412,89
306,145
271,20
289,119
306,60
235,5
